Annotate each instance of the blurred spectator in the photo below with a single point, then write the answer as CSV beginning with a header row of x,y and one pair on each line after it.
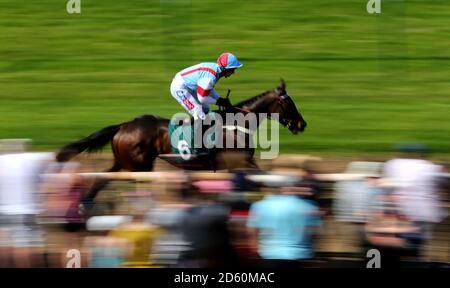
x,y
106,252
354,194
283,227
120,241
415,185
63,189
242,183
413,190
140,237
20,203
205,228
309,180
390,232
169,244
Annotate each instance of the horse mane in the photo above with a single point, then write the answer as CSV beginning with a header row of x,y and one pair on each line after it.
x,y
252,100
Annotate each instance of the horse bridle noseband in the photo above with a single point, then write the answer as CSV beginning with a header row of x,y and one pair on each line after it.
x,y
285,122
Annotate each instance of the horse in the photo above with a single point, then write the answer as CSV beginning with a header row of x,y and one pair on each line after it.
x,y
137,143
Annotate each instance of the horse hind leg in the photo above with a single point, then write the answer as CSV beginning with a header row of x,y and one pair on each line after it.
x,y
252,164
88,200
250,160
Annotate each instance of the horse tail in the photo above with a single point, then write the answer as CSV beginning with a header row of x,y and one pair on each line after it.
x,y
91,143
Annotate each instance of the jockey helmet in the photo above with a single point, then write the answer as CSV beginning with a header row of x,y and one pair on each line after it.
x,y
228,61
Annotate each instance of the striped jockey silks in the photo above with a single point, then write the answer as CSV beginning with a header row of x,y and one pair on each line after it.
x,y
204,87
201,79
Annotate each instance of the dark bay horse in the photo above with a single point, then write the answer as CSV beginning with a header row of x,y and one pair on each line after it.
x,y
137,143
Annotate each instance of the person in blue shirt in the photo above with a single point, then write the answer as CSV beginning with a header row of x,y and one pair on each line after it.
x,y
193,87
284,226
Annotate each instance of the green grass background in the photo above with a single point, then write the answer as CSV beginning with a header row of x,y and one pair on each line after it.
x,y
363,82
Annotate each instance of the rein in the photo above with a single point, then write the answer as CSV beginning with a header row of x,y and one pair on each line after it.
x,y
241,109
237,108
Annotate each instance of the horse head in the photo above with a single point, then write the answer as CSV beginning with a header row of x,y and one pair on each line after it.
x,y
281,103
276,101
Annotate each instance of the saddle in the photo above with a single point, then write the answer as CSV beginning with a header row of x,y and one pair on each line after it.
x,y
186,137
193,143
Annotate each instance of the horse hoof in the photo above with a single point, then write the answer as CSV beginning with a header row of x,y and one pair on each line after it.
x,y
85,208
81,210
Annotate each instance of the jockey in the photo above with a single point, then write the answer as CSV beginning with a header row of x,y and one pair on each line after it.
x,y
193,87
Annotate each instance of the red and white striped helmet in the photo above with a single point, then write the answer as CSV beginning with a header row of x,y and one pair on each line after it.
x,y
228,61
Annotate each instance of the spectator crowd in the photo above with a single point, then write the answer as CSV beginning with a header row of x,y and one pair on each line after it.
x,y
241,218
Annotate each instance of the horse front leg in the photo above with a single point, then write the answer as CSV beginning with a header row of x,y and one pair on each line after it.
x,y
251,162
88,201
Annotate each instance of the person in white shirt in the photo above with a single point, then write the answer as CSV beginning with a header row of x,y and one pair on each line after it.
x,y
416,182
19,204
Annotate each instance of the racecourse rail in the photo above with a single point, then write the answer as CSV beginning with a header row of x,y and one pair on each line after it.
x,y
167,176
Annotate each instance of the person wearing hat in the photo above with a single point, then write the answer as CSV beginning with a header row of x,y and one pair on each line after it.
x,y
193,87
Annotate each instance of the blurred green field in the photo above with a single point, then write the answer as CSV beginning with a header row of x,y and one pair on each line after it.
x,y
363,82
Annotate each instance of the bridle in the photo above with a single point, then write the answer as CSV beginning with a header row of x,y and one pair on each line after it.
x,y
281,99
285,122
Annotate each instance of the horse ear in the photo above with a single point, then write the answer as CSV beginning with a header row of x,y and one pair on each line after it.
x,y
282,85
